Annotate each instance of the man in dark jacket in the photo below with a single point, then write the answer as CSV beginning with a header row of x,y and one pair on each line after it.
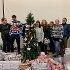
x,y
65,36
4,29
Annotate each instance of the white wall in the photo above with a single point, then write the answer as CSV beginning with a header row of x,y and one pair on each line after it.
x,y
0,18
1,14
42,9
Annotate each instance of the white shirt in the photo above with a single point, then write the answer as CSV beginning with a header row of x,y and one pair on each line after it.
x,y
39,34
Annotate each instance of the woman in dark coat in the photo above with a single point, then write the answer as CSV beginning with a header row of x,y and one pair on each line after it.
x,y
51,44
4,29
46,34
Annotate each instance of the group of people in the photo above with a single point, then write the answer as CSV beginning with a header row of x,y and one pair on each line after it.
x,y
57,33
10,32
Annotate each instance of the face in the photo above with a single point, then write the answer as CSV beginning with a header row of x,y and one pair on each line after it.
x,y
57,22
64,20
5,21
43,21
14,19
51,24
37,24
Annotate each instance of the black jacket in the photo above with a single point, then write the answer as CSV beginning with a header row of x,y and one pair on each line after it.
x,y
50,32
46,32
4,29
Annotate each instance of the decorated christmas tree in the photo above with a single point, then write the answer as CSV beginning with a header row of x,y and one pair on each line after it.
x,y
31,43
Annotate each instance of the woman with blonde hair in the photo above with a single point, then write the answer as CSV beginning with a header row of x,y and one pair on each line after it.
x,y
44,24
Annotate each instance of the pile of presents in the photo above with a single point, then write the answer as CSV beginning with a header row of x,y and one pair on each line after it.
x,y
43,62
9,61
12,61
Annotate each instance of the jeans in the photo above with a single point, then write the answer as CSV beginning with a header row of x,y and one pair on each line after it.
x,y
6,43
41,46
52,46
12,39
57,47
63,46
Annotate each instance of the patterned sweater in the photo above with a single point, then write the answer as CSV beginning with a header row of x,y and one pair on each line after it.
x,y
16,30
57,32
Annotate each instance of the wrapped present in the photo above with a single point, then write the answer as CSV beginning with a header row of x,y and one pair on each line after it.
x,y
1,57
67,55
66,58
67,66
67,51
40,66
59,59
11,56
10,65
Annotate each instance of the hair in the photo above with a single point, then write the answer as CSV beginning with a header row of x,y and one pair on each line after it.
x,y
57,20
13,16
39,23
52,22
3,19
46,23
65,18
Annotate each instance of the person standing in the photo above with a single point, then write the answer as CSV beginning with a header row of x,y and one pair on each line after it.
x,y
40,35
4,29
57,32
51,44
15,32
45,30
65,36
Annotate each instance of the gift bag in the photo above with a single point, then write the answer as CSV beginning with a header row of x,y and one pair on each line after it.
x,y
46,41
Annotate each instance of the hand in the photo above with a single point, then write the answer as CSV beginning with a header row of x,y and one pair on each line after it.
x,y
60,40
45,38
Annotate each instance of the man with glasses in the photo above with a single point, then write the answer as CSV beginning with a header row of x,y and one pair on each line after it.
x,y
66,34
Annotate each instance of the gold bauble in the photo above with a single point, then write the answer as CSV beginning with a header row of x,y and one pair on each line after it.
x,y
28,42
37,44
32,25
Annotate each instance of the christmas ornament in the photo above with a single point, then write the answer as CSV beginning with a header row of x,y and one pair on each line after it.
x,y
37,44
29,42
28,49
25,39
25,44
31,38
32,25
34,44
27,26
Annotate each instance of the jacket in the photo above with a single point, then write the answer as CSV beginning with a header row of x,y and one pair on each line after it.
x,y
4,29
66,30
39,34
46,33
50,32
57,32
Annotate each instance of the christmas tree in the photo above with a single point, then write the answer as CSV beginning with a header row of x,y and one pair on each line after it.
x,y
31,43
